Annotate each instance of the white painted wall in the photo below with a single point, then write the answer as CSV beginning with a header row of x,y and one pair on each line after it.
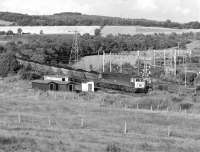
x,y
55,78
85,86
139,85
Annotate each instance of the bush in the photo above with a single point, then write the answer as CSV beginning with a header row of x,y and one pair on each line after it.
x,y
109,100
8,64
186,106
163,87
30,75
177,99
154,102
113,148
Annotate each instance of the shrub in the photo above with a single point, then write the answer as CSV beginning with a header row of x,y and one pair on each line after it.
x,y
177,99
154,102
113,148
30,75
163,87
8,64
186,106
109,100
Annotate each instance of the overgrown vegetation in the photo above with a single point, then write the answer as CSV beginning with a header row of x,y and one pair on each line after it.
x,y
8,63
54,49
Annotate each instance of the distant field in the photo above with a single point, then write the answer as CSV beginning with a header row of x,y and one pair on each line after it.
x,y
52,29
131,58
60,122
132,30
5,23
115,30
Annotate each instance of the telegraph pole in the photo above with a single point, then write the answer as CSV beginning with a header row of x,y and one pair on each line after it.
x,y
138,54
175,63
103,61
154,57
164,59
110,63
185,76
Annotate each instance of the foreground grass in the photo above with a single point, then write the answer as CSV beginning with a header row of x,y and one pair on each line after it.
x,y
38,121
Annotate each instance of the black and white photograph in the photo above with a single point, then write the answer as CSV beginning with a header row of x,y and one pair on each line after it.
x,y
100,76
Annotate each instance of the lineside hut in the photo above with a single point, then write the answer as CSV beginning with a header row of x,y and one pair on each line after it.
x,y
88,86
55,85
75,83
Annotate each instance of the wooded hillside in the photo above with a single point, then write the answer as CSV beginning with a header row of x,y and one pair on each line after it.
x,y
72,19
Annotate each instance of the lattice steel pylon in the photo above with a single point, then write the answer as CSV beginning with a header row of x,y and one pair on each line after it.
x,y
74,54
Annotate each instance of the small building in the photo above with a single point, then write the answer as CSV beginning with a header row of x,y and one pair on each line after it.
x,y
55,85
87,86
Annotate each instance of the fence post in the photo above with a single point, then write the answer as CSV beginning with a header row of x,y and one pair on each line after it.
x,y
49,121
125,107
169,131
151,108
180,109
32,121
137,106
158,107
125,127
55,95
82,123
19,118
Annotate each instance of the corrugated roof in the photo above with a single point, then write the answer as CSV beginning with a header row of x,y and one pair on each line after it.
x,y
50,81
56,76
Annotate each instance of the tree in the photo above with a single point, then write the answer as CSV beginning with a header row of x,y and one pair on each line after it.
x,y
97,32
41,32
19,31
10,32
8,64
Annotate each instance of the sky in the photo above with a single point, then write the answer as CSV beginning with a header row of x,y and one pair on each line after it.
x,y
175,10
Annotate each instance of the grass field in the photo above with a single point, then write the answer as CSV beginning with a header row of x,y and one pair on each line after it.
x,y
37,121
52,29
133,30
115,30
5,23
125,57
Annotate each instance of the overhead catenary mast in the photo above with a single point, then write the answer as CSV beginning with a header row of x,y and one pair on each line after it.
x,y
74,55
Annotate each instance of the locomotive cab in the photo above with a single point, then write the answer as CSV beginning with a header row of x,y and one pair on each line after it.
x,y
140,85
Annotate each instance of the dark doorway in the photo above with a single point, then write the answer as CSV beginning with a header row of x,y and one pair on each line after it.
x,y
90,87
53,87
71,87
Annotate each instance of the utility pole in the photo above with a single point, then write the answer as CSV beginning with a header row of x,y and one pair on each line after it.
x,y
121,68
99,58
110,63
185,71
138,54
178,48
103,61
154,57
175,63
185,76
164,59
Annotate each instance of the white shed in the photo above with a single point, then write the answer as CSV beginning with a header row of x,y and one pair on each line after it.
x,y
87,86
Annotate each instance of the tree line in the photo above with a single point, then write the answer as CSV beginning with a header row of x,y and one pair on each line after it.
x,y
76,19
56,49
